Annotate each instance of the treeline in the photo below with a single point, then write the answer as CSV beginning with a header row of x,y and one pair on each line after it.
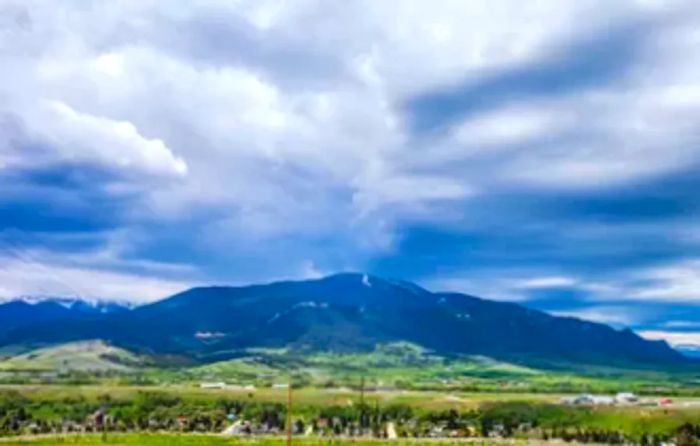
x,y
153,411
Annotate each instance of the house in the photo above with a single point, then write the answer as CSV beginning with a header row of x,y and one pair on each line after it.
x,y
248,387
213,385
584,398
240,427
626,397
599,400
588,399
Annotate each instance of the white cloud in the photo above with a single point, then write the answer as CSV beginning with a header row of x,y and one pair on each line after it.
x,y
681,324
82,136
606,314
393,190
587,140
25,277
675,281
637,126
503,128
679,281
111,64
546,282
487,285
674,338
421,46
506,283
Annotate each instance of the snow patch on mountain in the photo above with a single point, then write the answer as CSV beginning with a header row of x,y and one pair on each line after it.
x,y
305,304
75,303
365,281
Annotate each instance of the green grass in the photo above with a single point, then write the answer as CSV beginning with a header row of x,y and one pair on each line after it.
x,y
162,439
139,439
408,366
82,356
428,400
397,365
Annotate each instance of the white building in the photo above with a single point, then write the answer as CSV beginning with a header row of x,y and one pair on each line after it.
x,y
216,385
626,397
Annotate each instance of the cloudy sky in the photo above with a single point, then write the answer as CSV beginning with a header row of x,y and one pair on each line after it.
x,y
545,152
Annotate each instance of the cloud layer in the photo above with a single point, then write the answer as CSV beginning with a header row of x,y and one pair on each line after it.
x,y
545,152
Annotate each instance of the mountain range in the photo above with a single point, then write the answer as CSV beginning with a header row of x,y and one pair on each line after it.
x,y
343,312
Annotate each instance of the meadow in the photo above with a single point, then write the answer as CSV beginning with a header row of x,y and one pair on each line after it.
x,y
162,439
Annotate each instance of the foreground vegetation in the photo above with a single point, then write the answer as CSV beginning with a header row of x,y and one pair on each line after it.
x,y
123,415
168,439
139,439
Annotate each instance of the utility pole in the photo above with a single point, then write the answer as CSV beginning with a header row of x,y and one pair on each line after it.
x,y
362,404
377,417
289,411
362,391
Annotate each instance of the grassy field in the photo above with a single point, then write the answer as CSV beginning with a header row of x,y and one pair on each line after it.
x,y
25,409
429,400
144,439
310,396
385,365
161,439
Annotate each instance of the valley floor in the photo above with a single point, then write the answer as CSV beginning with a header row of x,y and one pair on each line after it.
x,y
164,439
428,400
193,416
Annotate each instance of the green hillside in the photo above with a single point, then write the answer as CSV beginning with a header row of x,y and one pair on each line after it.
x,y
390,364
84,356
397,365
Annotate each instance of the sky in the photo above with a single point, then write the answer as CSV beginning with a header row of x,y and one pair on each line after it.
x,y
543,152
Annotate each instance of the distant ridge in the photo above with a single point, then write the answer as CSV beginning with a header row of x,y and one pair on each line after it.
x,y
83,304
33,310
350,312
